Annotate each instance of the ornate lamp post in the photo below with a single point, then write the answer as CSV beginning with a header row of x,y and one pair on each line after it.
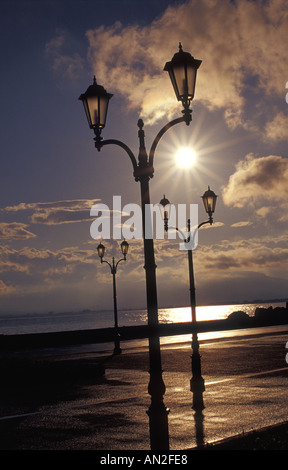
x,y
182,70
197,385
113,268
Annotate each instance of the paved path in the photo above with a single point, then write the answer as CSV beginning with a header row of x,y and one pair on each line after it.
x,y
246,382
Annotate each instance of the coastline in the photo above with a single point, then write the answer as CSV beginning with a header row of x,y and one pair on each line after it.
x,y
127,333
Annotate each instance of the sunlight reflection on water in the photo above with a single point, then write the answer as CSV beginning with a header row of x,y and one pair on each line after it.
x,y
212,312
88,319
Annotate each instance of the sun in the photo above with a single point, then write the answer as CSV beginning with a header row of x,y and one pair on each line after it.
x,y
185,157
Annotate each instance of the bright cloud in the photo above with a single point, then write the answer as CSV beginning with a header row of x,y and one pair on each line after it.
x,y
257,180
244,223
15,230
277,129
235,40
54,213
261,255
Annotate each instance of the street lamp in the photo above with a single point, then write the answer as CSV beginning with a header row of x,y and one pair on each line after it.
x,y
182,70
209,200
95,101
113,269
197,385
143,170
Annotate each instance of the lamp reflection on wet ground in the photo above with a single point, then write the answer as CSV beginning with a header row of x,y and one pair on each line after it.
x,y
199,428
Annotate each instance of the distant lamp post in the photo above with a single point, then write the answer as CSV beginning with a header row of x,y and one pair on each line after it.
x,y
113,269
165,211
209,201
197,385
182,71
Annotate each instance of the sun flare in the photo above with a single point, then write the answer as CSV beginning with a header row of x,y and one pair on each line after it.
x,y
185,157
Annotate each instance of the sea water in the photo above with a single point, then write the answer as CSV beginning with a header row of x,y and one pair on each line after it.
x,y
13,324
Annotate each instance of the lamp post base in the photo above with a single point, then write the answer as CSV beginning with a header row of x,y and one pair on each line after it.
x,y
117,350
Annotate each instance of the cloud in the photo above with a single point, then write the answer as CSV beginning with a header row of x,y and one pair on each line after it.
x,y
42,265
237,41
64,62
255,254
6,289
257,180
244,223
15,230
10,261
277,129
54,213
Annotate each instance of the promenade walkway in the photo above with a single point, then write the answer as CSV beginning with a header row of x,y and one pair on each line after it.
x,y
57,402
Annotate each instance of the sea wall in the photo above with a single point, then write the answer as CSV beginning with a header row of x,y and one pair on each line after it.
x,y
236,320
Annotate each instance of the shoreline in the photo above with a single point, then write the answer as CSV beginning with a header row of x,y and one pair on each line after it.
x,y
130,333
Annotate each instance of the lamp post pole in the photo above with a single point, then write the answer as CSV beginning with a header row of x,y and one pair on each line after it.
x,y
113,269
182,70
197,384
143,172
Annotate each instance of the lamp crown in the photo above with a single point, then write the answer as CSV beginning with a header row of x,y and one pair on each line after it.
x,y
95,90
182,57
164,202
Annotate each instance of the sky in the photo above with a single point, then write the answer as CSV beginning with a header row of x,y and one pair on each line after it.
x,y
52,175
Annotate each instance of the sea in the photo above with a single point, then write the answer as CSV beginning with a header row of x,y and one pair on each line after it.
x,y
19,324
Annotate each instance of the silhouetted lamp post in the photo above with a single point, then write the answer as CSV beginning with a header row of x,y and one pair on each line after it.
x,y
182,70
113,269
197,385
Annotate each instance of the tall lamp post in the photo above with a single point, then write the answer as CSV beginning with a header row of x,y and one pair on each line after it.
x,y
182,70
113,268
197,385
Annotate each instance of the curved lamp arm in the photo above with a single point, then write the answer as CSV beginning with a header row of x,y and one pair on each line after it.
x,y
122,259
210,221
113,266
123,146
107,262
99,143
160,134
187,240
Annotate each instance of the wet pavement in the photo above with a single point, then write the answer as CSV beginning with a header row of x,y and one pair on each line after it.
x,y
246,382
